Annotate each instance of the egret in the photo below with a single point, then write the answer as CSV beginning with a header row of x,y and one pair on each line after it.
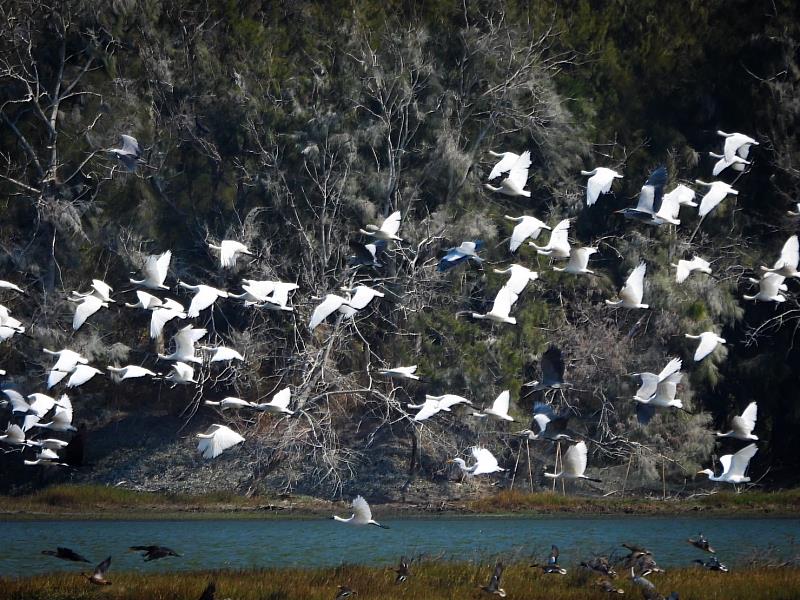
x,y
578,261
155,271
485,463
360,297
401,372
362,514
526,228
52,444
66,363
769,287
786,265
427,409
499,408
129,372
100,290
145,301
736,143
650,198
733,466
129,154
204,296
742,425
81,374
45,457
255,292
181,374
712,564
229,251
154,552
85,308
9,326
558,245
552,366
279,403
737,164
330,304
650,381
681,195
447,401
701,542
66,554
99,575
161,315
501,307
599,182
61,419
366,255
388,229
685,267
222,353
279,300
493,587
13,435
717,192
216,440
38,406
507,160
519,277
517,178
455,256
632,292
185,340
402,570
551,567
573,464
664,397
547,425
7,285
230,402
668,211
708,342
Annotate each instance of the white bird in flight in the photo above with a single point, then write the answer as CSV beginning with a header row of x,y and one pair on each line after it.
x,y
558,245
362,514
734,466
229,251
737,164
499,408
81,374
786,265
279,403
145,301
329,305
507,160
578,261
599,182
129,372
66,363
222,353
388,229
632,292
230,402
155,271
518,279
573,464
85,308
216,440
360,297
129,154
401,372
736,144
769,287
185,340
161,315
501,307
742,425
204,296
685,267
708,342
181,374
526,228
517,178
7,285
717,191
485,462
279,300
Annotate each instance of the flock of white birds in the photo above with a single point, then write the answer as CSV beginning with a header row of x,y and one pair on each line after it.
x,y
39,411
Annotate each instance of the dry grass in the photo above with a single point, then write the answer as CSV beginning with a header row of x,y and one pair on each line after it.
x,y
429,581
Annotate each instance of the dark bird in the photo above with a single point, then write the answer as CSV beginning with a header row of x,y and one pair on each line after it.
x,y
66,554
367,255
650,198
600,564
209,592
712,564
402,571
701,542
493,587
129,154
635,550
552,365
552,567
344,592
99,575
465,252
154,552
608,587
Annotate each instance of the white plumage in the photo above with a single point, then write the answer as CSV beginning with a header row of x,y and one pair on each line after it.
x,y
708,342
742,425
558,245
185,340
485,462
734,466
517,178
578,261
501,307
388,229
498,409
229,251
632,292
599,183
685,267
66,363
330,304
519,278
527,227
717,191
216,440
204,296
279,403
362,514
155,271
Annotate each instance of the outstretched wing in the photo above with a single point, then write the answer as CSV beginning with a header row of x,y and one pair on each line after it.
x,y
741,459
361,511
501,403
575,459
519,171
633,290
331,303
391,224
503,165
747,421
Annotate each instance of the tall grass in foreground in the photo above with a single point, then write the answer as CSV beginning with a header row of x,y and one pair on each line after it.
x,y
429,581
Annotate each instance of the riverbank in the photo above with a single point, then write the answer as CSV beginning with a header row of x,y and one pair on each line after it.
x,y
100,502
429,580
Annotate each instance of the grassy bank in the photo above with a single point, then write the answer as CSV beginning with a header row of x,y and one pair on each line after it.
x,y
80,501
431,581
